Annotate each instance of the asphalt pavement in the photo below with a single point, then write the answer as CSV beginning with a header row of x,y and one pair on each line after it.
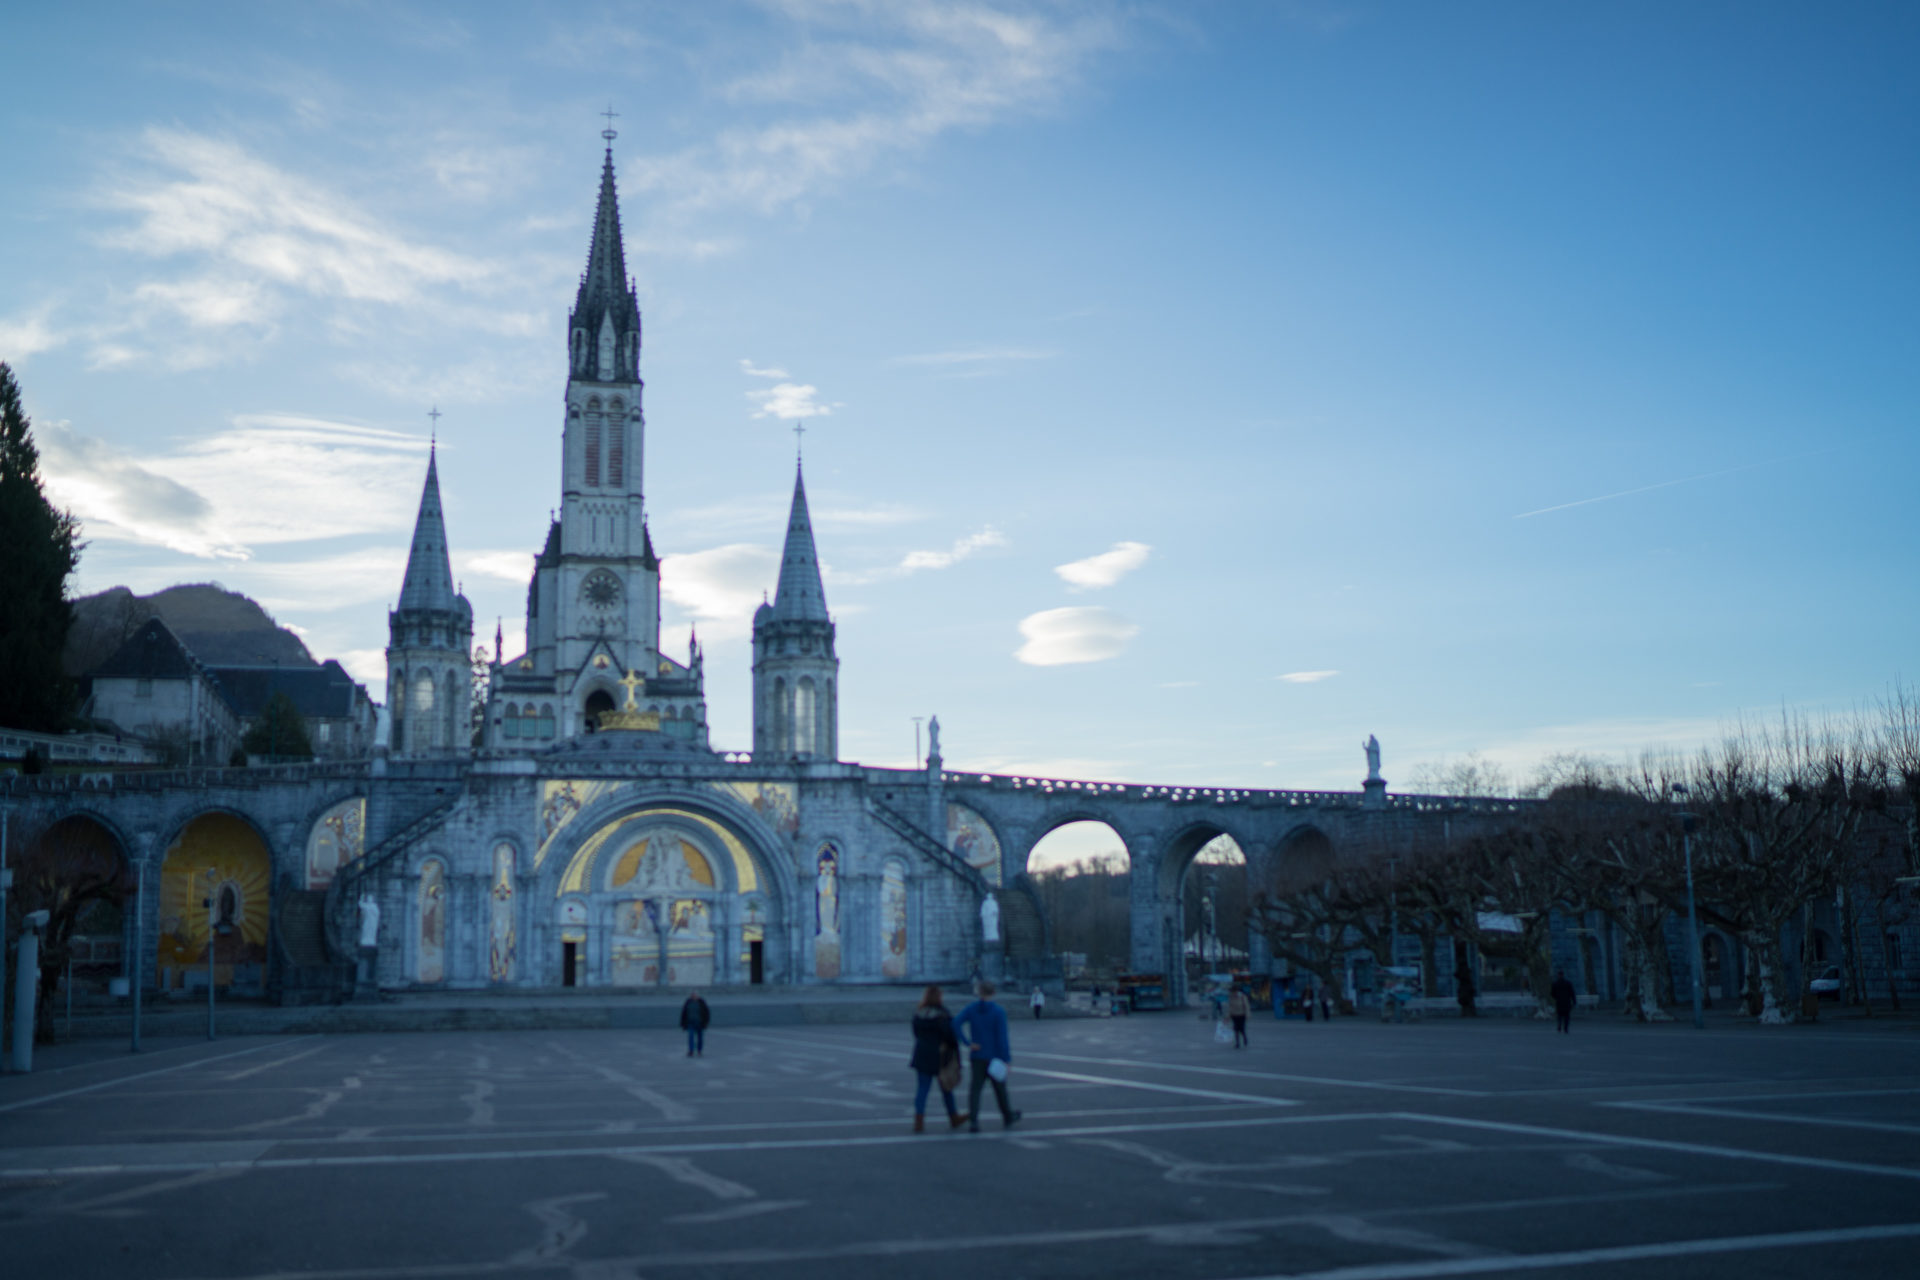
x,y
1352,1150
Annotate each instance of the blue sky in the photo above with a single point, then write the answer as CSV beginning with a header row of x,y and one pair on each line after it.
x,y
1192,389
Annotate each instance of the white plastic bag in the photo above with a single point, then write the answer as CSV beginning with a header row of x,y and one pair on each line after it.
x,y
1221,1035
997,1068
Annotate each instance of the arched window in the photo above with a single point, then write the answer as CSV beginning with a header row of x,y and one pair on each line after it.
x,y
421,712
511,727
803,718
593,443
546,720
782,720
616,451
397,709
598,701
459,734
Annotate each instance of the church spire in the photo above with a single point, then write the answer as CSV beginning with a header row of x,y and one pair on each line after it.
x,y
429,580
799,595
605,278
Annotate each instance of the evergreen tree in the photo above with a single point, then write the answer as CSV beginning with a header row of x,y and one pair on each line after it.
x,y
280,733
39,548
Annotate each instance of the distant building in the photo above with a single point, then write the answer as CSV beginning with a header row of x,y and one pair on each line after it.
x,y
154,689
339,715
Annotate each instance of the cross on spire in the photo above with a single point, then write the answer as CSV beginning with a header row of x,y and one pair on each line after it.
x,y
436,415
610,133
799,440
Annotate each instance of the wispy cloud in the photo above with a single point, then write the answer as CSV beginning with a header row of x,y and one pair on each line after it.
x,y
221,495
1105,569
1057,637
920,561
248,235
1307,677
718,589
789,401
506,566
881,78
748,367
25,336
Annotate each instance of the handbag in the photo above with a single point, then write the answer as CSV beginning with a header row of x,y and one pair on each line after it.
x,y
949,1070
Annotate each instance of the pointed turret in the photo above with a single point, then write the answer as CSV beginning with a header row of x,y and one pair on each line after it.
x,y
800,596
429,639
795,673
605,323
429,580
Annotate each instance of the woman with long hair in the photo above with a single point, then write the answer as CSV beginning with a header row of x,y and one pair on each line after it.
x,y
936,1057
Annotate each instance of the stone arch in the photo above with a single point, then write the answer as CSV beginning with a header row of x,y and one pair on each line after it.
x,y
219,858
806,727
1304,849
87,849
1086,908
597,700
335,836
397,709
782,718
747,858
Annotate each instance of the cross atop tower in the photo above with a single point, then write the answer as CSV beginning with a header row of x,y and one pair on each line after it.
x,y
436,415
610,133
799,440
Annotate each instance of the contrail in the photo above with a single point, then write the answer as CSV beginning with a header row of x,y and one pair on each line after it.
x,y
1667,484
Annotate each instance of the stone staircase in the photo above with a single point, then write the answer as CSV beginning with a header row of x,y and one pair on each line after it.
x,y
910,831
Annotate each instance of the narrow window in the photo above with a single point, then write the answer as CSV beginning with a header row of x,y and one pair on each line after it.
x,y
593,447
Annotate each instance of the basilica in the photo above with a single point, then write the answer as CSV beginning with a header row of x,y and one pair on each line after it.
x,y
595,837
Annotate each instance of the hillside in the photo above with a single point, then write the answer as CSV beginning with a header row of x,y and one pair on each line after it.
x,y
220,627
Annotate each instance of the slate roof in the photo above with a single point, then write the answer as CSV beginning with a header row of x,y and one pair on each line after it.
x,y
799,596
151,653
324,692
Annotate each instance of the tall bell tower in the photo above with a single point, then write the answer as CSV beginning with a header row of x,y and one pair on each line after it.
x,y
593,607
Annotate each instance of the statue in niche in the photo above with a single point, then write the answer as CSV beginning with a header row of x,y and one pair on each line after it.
x,y
989,920
369,921
826,905
1372,748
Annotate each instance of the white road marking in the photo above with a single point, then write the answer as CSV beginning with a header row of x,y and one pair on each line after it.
x,y
143,1075
1250,1099
479,1110
1616,1253
1587,1162
681,1169
1660,1144
277,1062
241,1161
564,1229
1261,1075
1734,1113
750,1210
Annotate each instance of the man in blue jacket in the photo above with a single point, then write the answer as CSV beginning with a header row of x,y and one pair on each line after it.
x,y
982,1029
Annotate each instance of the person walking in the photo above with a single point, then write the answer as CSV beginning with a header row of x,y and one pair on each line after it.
x,y
936,1057
1326,1006
1039,1002
982,1029
1238,1007
1563,999
694,1017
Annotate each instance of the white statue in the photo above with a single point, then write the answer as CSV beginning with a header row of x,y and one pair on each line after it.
x,y
369,921
933,738
989,919
1372,746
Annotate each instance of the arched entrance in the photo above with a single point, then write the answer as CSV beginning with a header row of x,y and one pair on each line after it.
x,y
665,896
598,702
77,872
1213,896
213,882
1081,873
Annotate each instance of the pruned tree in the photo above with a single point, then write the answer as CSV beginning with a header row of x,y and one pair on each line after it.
x,y
66,868
280,733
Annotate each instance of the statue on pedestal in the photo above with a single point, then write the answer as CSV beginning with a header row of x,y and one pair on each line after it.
x,y
1372,747
369,922
989,921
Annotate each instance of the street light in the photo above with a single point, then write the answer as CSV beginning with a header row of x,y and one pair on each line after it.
x,y
1693,919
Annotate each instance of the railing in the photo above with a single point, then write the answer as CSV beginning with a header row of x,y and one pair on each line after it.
x,y
1141,792
200,777
926,844
344,880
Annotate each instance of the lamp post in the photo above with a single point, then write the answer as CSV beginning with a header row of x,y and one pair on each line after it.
x,y
135,967
1693,919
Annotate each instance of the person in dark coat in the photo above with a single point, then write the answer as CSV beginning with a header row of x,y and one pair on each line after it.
x,y
935,1049
694,1017
1563,999
982,1028
1238,1007
1326,1006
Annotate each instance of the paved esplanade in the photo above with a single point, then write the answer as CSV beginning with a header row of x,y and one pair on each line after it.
x,y
1354,1149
